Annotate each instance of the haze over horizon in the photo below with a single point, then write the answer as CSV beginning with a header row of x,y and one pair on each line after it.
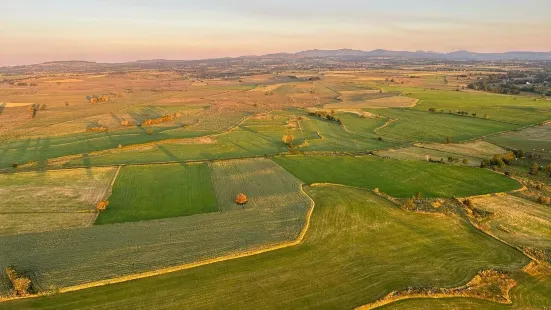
x,y
129,30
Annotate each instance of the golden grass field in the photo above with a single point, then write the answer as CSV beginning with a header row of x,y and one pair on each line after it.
x,y
53,200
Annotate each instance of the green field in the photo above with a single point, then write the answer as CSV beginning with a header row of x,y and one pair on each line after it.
x,y
252,138
512,109
143,193
41,149
535,140
418,153
422,126
397,178
257,138
358,135
359,248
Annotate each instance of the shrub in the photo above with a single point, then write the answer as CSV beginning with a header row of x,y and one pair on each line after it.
x,y
534,168
14,165
409,205
102,205
241,199
149,132
287,139
162,119
98,129
21,285
544,200
465,161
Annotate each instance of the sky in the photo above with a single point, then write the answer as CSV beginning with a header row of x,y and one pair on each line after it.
x,y
35,31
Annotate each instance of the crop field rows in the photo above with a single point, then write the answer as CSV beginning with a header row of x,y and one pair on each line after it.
x,y
275,215
45,201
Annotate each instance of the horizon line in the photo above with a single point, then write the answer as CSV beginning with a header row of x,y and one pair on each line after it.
x,y
274,53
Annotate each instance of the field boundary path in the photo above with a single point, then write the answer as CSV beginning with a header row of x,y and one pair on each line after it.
x,y
109,189
147,274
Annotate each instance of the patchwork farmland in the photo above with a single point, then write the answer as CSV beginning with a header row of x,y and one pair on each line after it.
x,y
325,189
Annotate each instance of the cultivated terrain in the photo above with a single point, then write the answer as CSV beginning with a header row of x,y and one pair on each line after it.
x,y
315,180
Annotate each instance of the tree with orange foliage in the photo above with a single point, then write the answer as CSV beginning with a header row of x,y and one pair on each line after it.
x,y
241,199
94,100
287,139
102,205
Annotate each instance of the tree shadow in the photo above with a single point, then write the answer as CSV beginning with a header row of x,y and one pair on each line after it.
x,y
87,163
171,155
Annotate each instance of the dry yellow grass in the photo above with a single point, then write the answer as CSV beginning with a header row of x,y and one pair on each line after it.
x,y
536,269
64,81
267,88
515,220
21,223
15,104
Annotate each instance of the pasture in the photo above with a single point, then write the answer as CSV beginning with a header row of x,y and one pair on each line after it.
x,y
519,110
423,154
422,126
478,149
142,193
535,140
46,201
396,178
359,248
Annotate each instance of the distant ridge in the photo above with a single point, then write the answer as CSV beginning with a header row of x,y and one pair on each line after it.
x,y
314,54
457,55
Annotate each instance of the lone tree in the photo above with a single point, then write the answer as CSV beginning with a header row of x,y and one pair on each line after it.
x,y
102,205
241,199
287,139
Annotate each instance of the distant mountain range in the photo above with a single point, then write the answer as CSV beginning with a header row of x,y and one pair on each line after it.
x,y
341,58
458,55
